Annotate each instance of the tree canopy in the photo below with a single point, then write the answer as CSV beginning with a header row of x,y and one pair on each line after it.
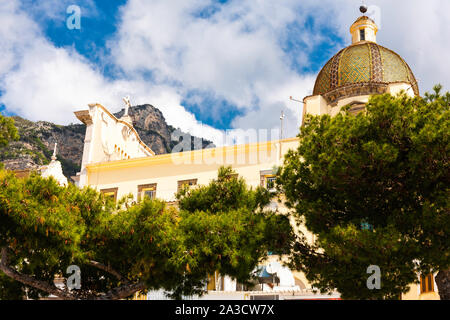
x,y
374,188
8,132
121,248
230,228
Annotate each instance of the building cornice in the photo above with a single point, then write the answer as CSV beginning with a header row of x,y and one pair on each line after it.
x,y
209,153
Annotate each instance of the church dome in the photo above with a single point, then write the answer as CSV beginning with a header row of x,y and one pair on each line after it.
x,y
363,68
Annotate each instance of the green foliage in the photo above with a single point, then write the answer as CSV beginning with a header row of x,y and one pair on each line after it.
x,y
8,132
228,229
387,167
41,224
226,193
47,228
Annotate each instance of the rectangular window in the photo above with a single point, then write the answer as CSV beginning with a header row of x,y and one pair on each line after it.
x,y
268,181
189,183
426,283
362,35
147,190
110,193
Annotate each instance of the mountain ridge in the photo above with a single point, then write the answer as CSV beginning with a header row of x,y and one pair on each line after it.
x,y
35,146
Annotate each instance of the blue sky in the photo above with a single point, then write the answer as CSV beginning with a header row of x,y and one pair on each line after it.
x,y
97,28
209,65
100,26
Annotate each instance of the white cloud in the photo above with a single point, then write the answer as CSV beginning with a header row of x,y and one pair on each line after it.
x,y
421,38
417,30
237,59
13,40
233,53
50,83
42,82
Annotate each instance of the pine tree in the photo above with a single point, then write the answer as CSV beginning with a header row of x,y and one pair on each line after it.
x,y
374,188
8,132
122,249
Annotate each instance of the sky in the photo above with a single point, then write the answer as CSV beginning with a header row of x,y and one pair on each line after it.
x,y
213,67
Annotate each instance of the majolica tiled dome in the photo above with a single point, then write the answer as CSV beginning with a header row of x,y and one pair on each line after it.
x,y
362,68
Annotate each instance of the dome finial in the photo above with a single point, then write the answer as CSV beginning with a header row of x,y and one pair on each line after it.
x,y
363,9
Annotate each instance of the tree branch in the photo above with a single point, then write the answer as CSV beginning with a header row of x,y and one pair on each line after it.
x,y
109,270
30,281
117,293
121,292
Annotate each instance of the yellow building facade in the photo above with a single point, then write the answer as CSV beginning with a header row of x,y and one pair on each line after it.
x,y
116,161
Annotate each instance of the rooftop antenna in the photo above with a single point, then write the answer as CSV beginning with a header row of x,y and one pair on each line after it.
x,y
281,129
292,99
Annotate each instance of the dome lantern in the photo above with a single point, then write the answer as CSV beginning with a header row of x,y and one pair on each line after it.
x,y
364,29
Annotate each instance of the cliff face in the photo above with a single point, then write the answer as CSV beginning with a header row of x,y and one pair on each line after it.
x,y
35,146
153,129
37,139
151,126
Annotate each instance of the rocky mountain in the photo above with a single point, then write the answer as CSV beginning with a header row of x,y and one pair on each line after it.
x,y
37,140
153,129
